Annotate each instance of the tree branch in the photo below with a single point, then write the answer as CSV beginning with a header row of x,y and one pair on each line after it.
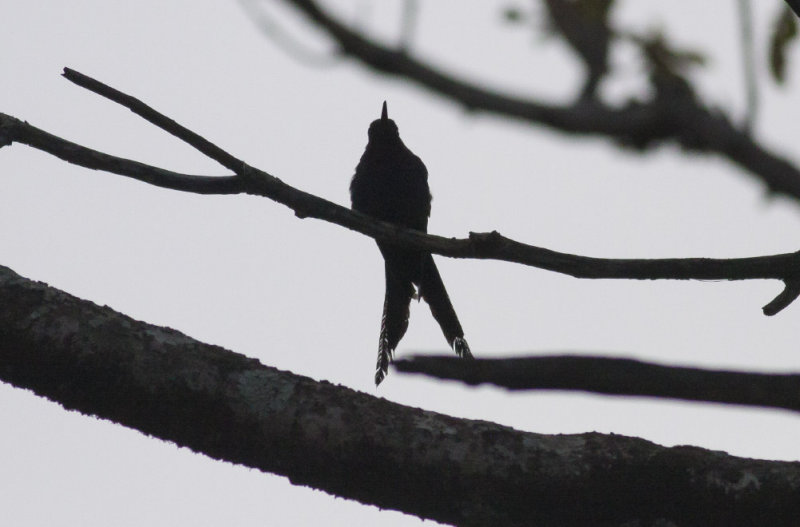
x,y
613,376
227,406
491,245
14,130
144,111
684,121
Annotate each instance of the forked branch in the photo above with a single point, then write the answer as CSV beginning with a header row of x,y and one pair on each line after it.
x,y
490,245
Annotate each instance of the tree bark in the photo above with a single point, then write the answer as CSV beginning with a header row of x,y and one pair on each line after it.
x,y
91,359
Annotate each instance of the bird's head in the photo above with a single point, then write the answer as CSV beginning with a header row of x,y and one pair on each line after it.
x,y
383,129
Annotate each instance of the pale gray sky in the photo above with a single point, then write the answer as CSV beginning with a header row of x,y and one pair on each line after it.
x,y
306,296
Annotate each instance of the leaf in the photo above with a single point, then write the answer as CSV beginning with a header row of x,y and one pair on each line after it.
x,y
784,32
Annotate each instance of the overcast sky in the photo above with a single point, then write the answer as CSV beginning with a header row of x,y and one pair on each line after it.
x,y
306,296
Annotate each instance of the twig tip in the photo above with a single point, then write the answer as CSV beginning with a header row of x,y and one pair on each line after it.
x,y
789,294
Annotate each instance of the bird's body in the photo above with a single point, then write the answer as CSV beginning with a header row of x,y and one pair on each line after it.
x,y
391,184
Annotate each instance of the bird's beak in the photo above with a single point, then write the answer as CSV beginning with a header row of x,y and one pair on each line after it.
x,y
384,113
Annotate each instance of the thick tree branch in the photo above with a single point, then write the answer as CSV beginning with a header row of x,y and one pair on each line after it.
x,y
612,376
163,383
492,245
682,120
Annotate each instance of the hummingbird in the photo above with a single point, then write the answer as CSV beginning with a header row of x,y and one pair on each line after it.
x,y
391,184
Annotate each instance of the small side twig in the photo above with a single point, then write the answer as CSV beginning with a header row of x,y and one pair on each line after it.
x,y
162,121
789,294
616,376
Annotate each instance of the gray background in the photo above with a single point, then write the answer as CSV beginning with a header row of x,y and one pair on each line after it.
x,y
306,296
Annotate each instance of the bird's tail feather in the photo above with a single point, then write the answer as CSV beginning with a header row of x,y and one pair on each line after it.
x,y
431,288
394,322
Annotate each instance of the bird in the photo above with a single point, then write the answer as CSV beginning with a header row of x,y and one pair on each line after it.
x,y
391,184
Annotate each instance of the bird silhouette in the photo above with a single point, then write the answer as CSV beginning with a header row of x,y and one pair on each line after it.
x,y
391,184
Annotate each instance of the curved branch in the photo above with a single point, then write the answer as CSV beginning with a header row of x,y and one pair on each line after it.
x,y
613,376
683,120
96,361
789,294
492,245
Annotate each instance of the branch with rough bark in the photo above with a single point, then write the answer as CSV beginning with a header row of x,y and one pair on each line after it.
x,y
684,121
490,245
102,363
617,376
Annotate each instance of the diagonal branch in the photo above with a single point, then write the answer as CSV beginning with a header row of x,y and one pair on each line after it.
x,y
205,146
682,120
491,245
99,362
614,376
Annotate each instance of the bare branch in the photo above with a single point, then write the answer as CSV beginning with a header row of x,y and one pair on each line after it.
x,y
614,376
149,114
789,294
227,406
12,129
491,245
684,121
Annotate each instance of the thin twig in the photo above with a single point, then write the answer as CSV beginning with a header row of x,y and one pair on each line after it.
x,y
789,294
615,376
13,129
149,114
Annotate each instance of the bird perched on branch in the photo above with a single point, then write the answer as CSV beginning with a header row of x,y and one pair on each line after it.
x,y
391,184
